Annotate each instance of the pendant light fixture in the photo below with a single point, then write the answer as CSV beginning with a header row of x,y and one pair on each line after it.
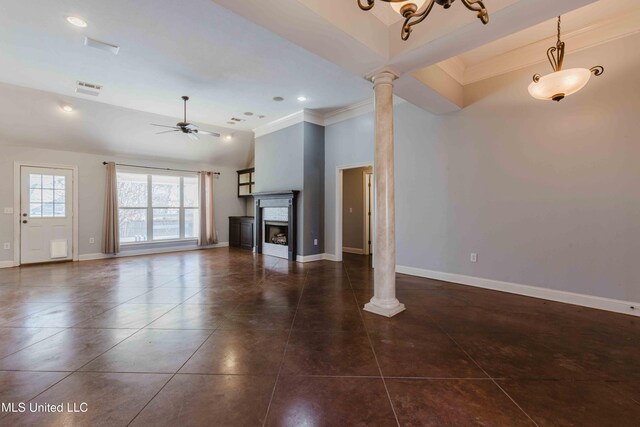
x,y
561,83
415,11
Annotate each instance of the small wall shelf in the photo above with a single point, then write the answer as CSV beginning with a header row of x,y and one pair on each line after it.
x,y
246,182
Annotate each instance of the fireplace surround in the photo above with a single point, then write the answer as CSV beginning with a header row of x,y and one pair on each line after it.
x,y
276,223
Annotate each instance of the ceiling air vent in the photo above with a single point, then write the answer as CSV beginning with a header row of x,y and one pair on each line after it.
x,y
88,88
97,44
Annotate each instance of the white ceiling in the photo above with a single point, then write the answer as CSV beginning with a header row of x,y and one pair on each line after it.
x,y
582,28
231,57
169,48
35,118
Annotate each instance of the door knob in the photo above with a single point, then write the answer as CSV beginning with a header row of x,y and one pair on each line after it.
x,y
24,221
24,214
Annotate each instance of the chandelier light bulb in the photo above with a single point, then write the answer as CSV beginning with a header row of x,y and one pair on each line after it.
x,y
417,5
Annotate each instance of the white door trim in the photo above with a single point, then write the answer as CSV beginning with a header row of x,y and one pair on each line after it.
x,y
366,222
339,187
17,165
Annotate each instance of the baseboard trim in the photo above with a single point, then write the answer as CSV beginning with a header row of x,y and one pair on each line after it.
x,y
7,264
91,257
617,306
330,257
309,258
353,251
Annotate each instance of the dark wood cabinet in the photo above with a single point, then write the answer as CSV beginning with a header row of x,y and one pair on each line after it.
x,y
241,232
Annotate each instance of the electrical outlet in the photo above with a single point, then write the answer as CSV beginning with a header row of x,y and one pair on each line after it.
x,y
473,257
350,210
315,242
92,240
7,245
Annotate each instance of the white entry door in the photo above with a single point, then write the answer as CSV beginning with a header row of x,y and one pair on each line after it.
x,y
46,214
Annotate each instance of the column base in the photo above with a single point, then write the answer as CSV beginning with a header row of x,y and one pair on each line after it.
x,y
384,308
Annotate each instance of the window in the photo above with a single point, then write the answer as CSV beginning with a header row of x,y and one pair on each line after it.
x,y
157,207
47,196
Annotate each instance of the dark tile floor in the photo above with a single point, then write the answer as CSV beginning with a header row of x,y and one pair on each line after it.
x,y
226,338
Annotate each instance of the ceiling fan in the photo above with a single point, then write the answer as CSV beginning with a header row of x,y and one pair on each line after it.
x,y
185,127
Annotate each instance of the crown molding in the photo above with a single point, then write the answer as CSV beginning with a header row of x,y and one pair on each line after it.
x,y
534,53
327,119
289,120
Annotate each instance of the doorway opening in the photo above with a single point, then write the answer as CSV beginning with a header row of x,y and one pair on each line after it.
x,y
45,213
356,211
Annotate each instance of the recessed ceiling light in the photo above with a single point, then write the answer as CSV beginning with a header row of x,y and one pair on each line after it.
x,y
78,22
278,99
302,98
228,138
67,108
248,113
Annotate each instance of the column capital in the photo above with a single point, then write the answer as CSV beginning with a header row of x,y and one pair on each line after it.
x,y
384,75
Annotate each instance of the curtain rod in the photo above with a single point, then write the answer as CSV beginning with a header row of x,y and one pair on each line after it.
x,y
162,169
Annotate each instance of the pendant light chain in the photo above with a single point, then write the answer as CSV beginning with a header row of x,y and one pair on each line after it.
x,y
559,18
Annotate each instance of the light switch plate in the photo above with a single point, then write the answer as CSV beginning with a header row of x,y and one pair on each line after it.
x,y
8,211
7,245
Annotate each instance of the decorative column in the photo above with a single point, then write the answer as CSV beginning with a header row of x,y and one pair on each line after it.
x,y
384,301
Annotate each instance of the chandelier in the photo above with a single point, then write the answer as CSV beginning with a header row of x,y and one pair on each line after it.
x,y
414,12
560,83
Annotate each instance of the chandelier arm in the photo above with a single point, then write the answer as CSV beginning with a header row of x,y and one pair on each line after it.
x,y
478,6
415,19
368,6
551,55
597,70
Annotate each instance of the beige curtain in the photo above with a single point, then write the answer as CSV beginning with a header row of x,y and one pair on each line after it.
x,y
208,232
111,232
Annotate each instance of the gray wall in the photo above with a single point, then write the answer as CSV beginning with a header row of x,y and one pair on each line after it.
x,y
353,208
280,166
293,159
313,210
91,182
546,193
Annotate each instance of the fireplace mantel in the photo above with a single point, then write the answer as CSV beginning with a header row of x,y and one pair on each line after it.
x,y
277,199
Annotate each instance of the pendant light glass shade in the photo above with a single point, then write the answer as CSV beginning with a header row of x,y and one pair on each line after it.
x,y
397,6
557,85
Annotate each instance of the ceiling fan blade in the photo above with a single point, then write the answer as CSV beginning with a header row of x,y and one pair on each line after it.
x,y
168,131
163,126
193,136
205,132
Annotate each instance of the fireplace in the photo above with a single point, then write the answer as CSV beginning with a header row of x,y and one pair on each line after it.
x,y
276,233
276,224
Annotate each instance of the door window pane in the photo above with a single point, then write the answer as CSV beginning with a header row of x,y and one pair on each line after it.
x,y
133,225
166,224
165,191
191,192
132,190
47,181
47,196
35,181
191,223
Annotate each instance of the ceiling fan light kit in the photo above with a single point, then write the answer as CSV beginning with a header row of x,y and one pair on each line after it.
x,y
561,83
415,11
185,127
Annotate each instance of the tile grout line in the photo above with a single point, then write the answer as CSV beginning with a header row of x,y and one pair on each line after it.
x,y
286,346
375,356
485,372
